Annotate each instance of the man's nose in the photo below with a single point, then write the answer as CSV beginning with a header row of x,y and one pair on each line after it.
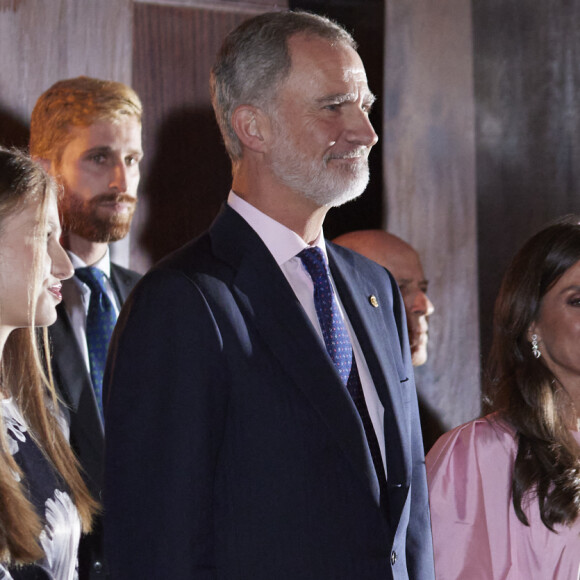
x,y
119,177
360,129
422,305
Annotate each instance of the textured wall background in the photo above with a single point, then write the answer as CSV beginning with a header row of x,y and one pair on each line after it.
x,y
478,115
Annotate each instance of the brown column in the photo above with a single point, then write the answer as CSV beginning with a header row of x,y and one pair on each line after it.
x,y
430,187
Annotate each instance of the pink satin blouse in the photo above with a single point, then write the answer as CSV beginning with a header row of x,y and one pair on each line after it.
x,y
476,533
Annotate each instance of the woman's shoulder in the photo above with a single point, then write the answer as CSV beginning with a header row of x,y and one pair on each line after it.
x,y
487,439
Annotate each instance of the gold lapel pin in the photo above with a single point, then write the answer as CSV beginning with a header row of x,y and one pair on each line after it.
x,y
373,300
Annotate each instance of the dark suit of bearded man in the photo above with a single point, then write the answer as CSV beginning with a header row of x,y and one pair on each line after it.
x,y
73,381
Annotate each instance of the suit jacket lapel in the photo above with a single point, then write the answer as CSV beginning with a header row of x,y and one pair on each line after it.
x,y
74,379
269,302
379,345
74,383
68,359
122,283
68,356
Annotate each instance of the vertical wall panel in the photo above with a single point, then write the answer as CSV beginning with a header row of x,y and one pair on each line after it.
x,y
42,42
186,172
527,84
523,63
429,160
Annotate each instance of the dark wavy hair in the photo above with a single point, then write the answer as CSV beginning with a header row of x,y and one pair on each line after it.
x,y
524,391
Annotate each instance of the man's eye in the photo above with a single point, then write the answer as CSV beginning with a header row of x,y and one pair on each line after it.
x,y
332,107
130,161
99,158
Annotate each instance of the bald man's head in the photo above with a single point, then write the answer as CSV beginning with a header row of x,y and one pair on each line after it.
x,y
403,262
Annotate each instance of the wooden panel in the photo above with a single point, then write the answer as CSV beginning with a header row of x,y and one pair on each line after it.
x,y
429,160
247,6
186,172
43,42
528,128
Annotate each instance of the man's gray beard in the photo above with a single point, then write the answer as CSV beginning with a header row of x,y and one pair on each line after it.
x,y
320,184
336,190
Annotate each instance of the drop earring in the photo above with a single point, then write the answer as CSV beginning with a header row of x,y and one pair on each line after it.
x,y
535,350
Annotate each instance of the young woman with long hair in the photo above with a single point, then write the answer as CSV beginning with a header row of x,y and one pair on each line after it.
x,y
505,489
44,503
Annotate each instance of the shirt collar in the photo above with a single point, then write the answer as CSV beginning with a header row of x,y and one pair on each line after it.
x,y
283,243
103,264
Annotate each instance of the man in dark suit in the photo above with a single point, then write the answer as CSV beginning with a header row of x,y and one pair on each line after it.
x,y
404,263
261,411
87,133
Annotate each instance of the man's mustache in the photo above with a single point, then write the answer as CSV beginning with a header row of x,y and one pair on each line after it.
x,y
114,198
352,154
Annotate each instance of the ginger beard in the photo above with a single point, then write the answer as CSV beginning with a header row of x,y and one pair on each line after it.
x,y
93,219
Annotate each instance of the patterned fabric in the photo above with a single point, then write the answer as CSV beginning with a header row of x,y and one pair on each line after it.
x,y
339,347
332,325
101,319
49,495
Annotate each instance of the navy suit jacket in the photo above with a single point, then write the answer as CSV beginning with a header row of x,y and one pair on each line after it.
x,y
233,449
73,382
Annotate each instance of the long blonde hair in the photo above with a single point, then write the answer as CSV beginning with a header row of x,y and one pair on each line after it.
x,y
26,376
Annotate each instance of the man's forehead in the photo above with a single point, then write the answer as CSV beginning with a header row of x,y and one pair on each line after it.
x,y
108,132
312,52
405,266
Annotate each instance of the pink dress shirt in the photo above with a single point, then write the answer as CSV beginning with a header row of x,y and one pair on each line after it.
x,y
476,533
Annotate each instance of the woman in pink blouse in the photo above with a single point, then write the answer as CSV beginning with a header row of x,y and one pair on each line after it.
x,y
505,489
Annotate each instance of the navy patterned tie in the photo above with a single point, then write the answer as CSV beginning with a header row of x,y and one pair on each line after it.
x,y
339,348
101,319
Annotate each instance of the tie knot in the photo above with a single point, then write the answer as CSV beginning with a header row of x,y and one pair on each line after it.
x,y
313,260
93,277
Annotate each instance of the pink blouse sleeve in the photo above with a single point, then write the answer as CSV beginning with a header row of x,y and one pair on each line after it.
x,y
469,472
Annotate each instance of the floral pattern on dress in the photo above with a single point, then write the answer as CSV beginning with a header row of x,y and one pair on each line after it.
x,y
61,519
16,432
47,492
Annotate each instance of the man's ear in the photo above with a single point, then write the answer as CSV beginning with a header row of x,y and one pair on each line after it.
x,y
252,126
